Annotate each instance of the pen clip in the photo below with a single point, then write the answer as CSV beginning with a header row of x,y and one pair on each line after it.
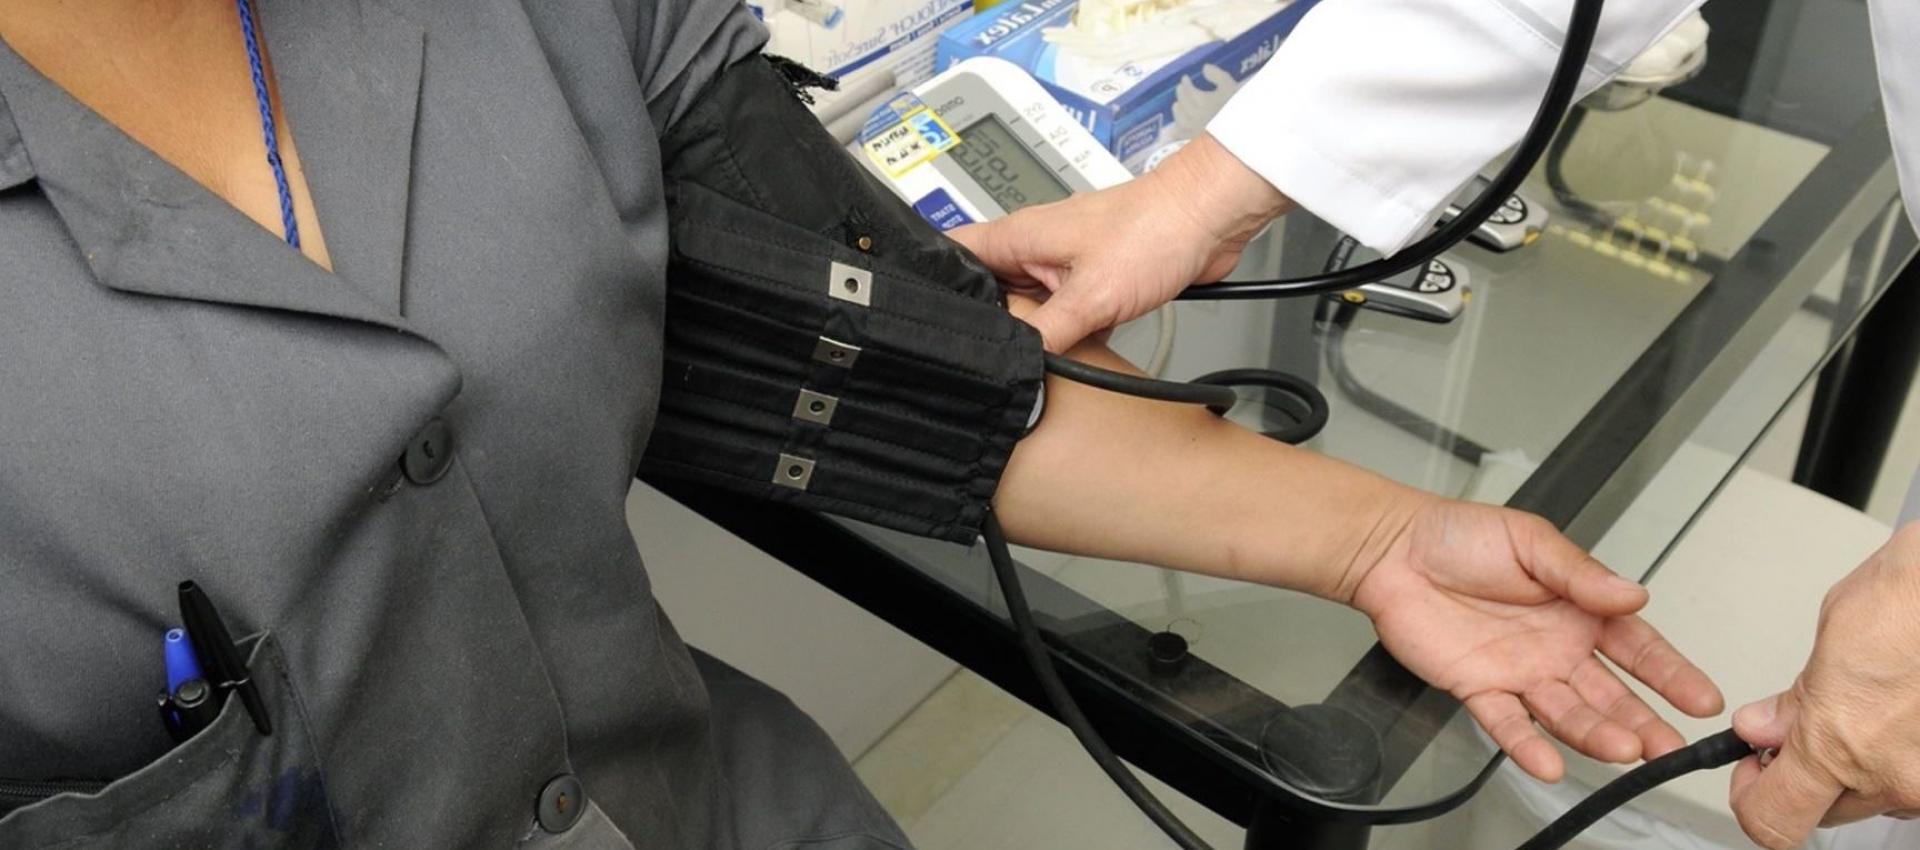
x,y
219,656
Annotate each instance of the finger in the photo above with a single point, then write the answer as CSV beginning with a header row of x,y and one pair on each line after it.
x,y
1570,572
996,243
1765,724
1000,251
1027,238
1069,317
1639,649
1580,725
1601,688
1507,721
1779,808
971,237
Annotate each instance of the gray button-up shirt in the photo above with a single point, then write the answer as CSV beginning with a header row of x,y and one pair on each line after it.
x,y
182,395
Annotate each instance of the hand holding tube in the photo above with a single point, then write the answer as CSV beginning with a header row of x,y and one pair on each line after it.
x,y
1847,733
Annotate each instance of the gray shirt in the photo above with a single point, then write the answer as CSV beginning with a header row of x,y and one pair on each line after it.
x,y
183,395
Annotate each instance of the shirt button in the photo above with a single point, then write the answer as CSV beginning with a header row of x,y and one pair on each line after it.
x,y
429,454
561,803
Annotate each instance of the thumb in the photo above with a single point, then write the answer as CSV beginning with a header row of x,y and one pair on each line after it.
x,y
1068,317
1008,246
1765,724
973,237
1571,573
1780,807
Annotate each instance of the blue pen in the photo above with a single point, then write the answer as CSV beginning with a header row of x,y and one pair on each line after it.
x,y
182,663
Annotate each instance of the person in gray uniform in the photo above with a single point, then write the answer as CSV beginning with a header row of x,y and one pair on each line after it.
x,y
362,314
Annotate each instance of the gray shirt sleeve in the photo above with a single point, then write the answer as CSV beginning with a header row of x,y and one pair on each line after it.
x,y
679,46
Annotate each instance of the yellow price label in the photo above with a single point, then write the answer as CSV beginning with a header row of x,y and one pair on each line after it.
x,y
919,136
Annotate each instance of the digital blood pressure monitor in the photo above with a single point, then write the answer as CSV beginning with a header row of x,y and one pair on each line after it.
x,y
979,141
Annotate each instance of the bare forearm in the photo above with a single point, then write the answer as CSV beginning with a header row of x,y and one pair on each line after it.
x,y
1113,476
1224,198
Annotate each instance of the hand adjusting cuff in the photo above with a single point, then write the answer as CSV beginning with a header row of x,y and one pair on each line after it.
x,y
824,346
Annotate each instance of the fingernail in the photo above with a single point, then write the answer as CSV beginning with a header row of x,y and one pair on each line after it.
x,y
1622,582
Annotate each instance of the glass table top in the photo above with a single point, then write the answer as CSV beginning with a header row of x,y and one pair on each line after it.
x,y
1700,266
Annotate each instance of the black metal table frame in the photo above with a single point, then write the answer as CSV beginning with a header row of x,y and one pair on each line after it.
x,y
1582,486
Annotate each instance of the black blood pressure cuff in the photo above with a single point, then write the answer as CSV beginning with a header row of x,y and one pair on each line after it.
x,y
825,346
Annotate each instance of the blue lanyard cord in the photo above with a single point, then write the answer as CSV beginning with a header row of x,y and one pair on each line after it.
x,y
266,123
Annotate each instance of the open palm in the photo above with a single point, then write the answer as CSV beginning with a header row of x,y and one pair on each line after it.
x,y
1511,618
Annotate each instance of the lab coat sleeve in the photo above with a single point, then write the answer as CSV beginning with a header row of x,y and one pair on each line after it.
x,y
1374,113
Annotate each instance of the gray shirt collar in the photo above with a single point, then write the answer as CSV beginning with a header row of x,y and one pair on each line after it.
x,y
349,77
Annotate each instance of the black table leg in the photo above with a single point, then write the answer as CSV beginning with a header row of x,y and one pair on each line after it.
x,y
1858,401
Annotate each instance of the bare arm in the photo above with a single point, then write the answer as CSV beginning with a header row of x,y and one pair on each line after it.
x,y
1491,605
1125,478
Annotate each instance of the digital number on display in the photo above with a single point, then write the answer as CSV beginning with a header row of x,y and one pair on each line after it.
x,y
1011,175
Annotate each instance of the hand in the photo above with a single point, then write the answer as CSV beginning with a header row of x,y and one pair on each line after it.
x,y
1106,257
1500,610
1848,731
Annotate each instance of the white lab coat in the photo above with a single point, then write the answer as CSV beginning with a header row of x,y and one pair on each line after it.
x,y
1375,112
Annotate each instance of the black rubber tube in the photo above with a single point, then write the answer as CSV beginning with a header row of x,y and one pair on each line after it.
x,y
1064,705
1217,399
1215,390
1308,426
1705,754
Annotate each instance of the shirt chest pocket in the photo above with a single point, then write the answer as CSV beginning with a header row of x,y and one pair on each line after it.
x,y
227,787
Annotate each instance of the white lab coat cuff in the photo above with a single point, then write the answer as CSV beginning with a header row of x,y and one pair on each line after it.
x,y
1322,184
